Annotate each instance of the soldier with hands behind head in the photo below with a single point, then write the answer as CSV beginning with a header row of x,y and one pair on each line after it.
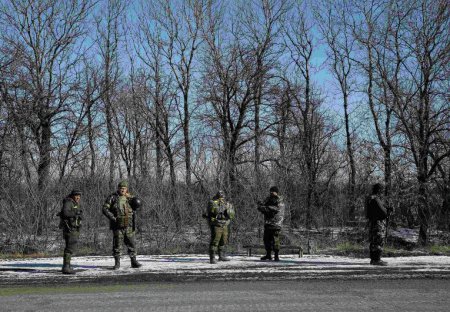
x,y
70,222
376,213
219,215
273,210
120,209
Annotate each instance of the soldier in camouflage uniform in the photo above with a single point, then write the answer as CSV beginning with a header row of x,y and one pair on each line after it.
x,y
120,208
219,215
273,210
70,223
376,213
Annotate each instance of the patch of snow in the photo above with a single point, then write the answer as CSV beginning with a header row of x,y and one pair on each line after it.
x,y
100,266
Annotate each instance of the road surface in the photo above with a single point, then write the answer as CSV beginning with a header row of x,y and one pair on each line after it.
x,y
301,295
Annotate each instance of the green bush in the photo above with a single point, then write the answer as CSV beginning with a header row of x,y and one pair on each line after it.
x,y
440,249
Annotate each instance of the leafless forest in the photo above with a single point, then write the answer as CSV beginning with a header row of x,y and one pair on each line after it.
x,y
322,98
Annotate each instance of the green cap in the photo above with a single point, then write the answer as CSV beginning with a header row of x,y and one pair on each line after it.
x,y
123,184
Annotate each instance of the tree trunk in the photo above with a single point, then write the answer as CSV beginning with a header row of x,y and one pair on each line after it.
x,y
91,138
352,180
423,211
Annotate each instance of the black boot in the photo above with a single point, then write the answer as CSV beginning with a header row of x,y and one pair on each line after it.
x,y
222,256
378,262
134,263
268,256
212,257
277,258
116,263
66,269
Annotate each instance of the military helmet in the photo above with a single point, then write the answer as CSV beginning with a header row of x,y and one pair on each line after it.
x,y
135,203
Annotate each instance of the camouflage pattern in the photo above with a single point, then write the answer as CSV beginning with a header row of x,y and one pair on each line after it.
x,y
376,228
219,238
119,212
126,236
122,222
271,239
376,213
273,210
70,223
219,214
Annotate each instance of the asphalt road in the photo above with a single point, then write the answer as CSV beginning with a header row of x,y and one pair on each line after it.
x,y
303,295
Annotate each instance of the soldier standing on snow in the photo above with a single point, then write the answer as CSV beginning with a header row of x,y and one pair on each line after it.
x,y
219,215
120,209
70,223
376,213
273,210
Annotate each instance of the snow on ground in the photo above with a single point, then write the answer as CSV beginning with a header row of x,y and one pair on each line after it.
x,y
198,266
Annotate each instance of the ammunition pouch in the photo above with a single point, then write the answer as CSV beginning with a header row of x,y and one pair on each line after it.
x,y
74,222
122,221
220,216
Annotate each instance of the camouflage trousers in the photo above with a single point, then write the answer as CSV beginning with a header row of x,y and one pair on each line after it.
x,y
271,239
376,239
127,237
219,238
71,240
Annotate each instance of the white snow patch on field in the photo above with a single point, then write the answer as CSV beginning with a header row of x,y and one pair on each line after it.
x,y
92,267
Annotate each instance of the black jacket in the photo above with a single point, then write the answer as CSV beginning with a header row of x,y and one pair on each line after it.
x,y
375,209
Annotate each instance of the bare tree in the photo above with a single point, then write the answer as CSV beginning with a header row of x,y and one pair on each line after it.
x,y
423,45
228,90
259,34
333,24
181,24
160,107
371,28
304,106
45,35
109,35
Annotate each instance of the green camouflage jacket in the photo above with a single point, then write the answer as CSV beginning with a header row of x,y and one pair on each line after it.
x,y
119,212
70,215
273,211
220,212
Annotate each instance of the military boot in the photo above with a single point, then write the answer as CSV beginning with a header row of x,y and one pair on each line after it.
x,y
277,258
212,257
116,263
268,256
66,269
378,262
222,256
134,263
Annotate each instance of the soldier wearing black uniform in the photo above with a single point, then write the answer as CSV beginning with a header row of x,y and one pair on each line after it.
x,y
70,223
376,213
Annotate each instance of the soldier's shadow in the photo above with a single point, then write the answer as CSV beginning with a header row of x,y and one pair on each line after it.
x,y
299,262
176,259
44,267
